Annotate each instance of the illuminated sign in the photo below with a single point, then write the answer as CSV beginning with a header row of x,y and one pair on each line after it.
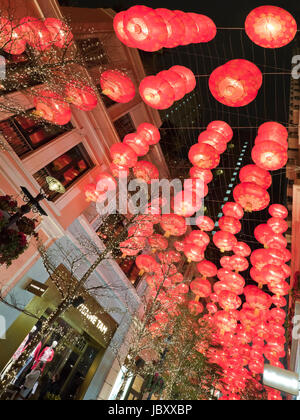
x,y
93,319
36,288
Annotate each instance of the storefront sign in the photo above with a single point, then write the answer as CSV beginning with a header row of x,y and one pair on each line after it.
x,y
36,288
84,310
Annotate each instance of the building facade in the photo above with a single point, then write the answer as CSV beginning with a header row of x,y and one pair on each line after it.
x,y
90,334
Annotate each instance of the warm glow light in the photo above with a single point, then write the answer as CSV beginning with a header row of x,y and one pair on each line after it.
x,y
54,185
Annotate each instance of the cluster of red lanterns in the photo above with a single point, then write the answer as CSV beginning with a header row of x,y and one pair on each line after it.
x,y
270,27
40,35
162,90
236,83
117,86
152,29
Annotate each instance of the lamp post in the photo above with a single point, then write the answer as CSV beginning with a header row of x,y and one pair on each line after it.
x,y
33,203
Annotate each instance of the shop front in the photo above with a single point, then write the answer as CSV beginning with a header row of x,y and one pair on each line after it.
x,y
72,351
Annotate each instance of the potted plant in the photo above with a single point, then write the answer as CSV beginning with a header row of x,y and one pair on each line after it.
x,y
12,245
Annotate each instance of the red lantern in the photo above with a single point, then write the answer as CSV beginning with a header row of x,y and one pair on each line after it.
x,y
273,131
241,249
257,299
225,241
277,210
212,308
205,223
272,274
270,27
204,156
105,183
233,210
35,33
251,196
247,69
229,300
137,142
146,171
206,29
225,263
90,193
52,107
262,232
80,95
173,225
207,268
133,246
145,28
186,203
179,246
175,27
279,301
205,175
257,366
264,137
223,128
191,29
169,257
234,280
117,86
214,139
11,37
123,155
278,225
198,238
146,264
150,132
225,321
234,85
119,30
193,252
256,175
261,257
195,308
269,155
276,241
158,242
60,34
230,224
201,288
257,276
119,171
238,263
278,315
187,75
157,92
177,82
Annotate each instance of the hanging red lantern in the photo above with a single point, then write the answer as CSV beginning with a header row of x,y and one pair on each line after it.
x,y
238,263
260,257
35,33
204,156
236,85
119,171
193,252
105,183
223,128
169,257
146,264
81,96
133,246
150,132
145,28
262,232
176,81
191,29
157,92
264,137
225,321
201,288
229,300
198,238
257,366
179,246
230,224
269,155
173,225
60,34
278,210
231,209
195,308
206,29
175,27
278,225
205,175
205,223
251,196
187,75
117,86
158,242
234,280
186,203
242,249
256,175
90,193
270,27
146,171
257,299
123,155
11,37
247,71
120,32
277,241
207,269
225,241
278,315
279,301
273,274
137,142
225,263
52,107
211,308
257,276
273,131
214,139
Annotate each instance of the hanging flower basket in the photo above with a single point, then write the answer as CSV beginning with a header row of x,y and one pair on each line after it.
x,y
12,245
8,204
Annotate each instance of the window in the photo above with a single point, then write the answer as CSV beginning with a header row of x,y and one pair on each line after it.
x,y
93,52
124,126
67,168
24,134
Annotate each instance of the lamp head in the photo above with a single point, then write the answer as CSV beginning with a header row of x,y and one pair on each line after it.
x,y
54,185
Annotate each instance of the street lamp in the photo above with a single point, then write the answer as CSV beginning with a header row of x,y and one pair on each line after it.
x,y
33,203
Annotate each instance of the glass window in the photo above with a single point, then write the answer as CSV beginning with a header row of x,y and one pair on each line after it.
x,y
67,168
124,126
25,134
